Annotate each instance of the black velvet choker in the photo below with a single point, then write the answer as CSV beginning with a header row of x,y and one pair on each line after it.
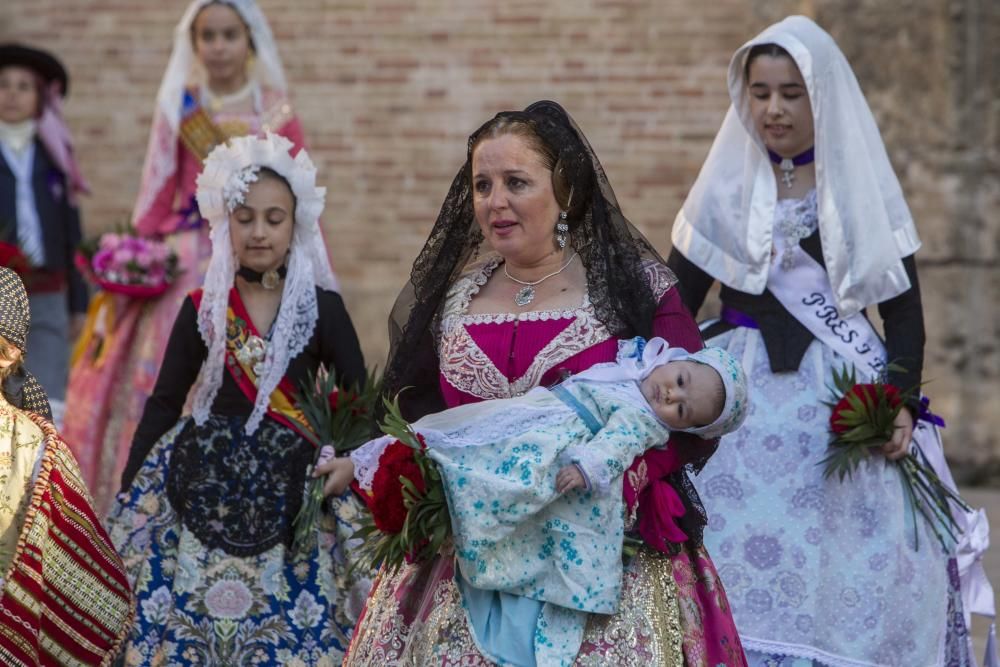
x,y
270,279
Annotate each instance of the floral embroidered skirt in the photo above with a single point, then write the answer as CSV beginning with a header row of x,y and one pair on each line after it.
x,y
673,612
820,571
200,604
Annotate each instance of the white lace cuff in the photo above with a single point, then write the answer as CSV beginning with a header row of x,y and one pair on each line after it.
x,y
365,459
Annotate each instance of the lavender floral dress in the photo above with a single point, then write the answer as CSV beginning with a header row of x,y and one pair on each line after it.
x,y
818,571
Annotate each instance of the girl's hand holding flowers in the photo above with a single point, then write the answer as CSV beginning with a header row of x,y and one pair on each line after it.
x,y
339,472
872,417
899,445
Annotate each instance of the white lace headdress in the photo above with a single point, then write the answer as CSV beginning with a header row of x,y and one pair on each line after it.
x,y
228,172
182,71
725,225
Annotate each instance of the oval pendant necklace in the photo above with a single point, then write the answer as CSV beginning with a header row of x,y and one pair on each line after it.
x,y
526,294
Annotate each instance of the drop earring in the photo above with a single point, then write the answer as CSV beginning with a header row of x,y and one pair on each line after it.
x,y
562,229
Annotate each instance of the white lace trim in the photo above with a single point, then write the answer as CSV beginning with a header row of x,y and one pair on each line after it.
x,y
801,651
530,316
467,368
365,459
491,426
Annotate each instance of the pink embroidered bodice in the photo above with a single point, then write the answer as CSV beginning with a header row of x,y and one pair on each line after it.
x,y
488,356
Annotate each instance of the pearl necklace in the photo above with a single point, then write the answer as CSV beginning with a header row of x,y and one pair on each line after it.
x,y
526,294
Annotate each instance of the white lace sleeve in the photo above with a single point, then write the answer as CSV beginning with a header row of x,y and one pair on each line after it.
x,y
365,459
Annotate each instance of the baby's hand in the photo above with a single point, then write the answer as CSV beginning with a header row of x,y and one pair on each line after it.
x,y
569,478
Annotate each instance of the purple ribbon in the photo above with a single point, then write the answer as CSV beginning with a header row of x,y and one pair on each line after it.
x,y
926,414
189,217
737,318
802,158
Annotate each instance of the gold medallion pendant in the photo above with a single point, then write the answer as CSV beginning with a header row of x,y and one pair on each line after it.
x,y
270,279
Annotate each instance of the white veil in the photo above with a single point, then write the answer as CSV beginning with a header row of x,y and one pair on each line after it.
x,y
725,225
308,266
161,154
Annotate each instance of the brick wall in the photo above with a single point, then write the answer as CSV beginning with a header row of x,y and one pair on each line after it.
x,y
388,90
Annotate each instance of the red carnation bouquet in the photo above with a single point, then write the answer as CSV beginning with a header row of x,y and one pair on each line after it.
x,y
861,421
409,514
338,416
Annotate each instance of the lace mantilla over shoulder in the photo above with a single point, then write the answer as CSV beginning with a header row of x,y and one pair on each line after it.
x,y
660,277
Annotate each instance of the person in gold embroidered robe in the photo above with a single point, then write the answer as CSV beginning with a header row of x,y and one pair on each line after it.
x,y
64,595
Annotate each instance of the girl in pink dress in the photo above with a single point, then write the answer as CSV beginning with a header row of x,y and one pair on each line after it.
x,y
565,277
224,79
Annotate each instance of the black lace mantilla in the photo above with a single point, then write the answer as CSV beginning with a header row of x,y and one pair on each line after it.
x,y
236,492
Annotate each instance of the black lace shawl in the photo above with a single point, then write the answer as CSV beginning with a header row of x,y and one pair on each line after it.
x,y
611,248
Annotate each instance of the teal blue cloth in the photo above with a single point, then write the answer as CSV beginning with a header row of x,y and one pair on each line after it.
x,y
503,624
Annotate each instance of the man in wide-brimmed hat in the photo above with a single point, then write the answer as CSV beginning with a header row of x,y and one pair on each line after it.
x,y
39,219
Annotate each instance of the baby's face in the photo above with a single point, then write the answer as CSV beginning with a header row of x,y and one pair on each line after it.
x,y
684,394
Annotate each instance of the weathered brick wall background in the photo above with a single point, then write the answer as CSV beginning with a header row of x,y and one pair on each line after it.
x,y
388,90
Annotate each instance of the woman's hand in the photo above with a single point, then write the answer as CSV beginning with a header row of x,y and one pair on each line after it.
x,y
569,478
899,445
339,472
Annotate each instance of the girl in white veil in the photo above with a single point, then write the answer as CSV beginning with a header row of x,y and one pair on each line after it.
x,y
224,79
205,520
798,213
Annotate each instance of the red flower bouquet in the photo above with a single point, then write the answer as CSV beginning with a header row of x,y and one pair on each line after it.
x,y
388,505
124,263
409,514
12,258
340,417
862,419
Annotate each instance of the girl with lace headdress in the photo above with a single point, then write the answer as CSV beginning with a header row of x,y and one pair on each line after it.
x,y
224,79
64,593
204,522
532,274
798,213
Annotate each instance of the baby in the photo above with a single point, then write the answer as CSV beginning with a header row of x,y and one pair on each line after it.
x,y
677,391
686,394
506,462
